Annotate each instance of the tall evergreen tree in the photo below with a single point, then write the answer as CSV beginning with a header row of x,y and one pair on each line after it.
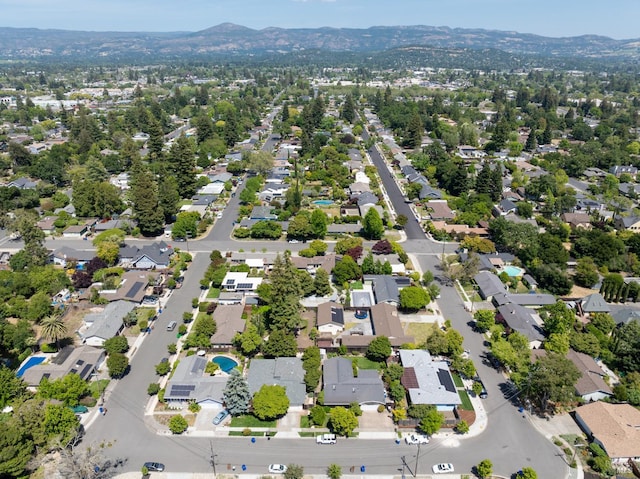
x,y
156,139
415,129
168,196
230,129
146,204
348,112
183,162
237,397
531,143
321,283
286,292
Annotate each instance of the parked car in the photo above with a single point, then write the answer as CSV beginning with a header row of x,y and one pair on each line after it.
x,y
443,468
416,439
221,416
154,466
277,468
326,439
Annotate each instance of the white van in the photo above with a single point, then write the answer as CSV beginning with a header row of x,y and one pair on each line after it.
x,y
171,326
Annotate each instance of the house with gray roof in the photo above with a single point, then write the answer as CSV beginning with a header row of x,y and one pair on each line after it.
x,y
190,384
106,324
286,372
341,388
152,256
626,315
428,381
262,213
385,288
65,256
594,303
367,198
83,361
489,285
229,322
521,319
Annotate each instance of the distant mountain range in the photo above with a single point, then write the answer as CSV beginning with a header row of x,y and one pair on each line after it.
x,y
234,40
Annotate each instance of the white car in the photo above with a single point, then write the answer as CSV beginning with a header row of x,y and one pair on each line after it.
x,y
326,439
277,468
293,241
443,468
416,439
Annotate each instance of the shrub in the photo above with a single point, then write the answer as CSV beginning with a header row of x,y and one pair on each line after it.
x,y
187,317
317,415
172,348
194,302
161,395
194,407
381,408
163,368
182,329
246,431
153,388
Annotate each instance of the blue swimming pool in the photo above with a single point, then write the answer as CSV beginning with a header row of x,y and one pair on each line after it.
x,y
513,271
32,361
322,202
225,363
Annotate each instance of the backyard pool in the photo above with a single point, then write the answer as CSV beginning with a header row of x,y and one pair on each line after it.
x,y
225,363
32,361
514,271
322,202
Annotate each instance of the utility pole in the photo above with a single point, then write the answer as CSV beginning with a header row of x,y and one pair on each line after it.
x,y
213,459
404,464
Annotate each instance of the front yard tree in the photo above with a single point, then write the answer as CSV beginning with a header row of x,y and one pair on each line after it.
x,y
401,221
372,225
552,378
294,471
484,468
431,422
270,402
319,223
237,397
485,319
117,344
413,298
117,363
334,471
178,424
11,386
343,421
379,349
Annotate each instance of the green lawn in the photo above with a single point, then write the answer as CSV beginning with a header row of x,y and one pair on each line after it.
x,y
356,285
466,402
421,331
364,363
250,421
213,293
457,380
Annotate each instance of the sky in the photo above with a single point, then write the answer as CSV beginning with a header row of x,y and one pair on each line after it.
x,y
556,18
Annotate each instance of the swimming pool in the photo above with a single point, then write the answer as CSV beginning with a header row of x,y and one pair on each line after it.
x,y
513,271
322,202
225,363
32,361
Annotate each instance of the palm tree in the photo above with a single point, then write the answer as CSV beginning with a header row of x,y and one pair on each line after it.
x,y
53,328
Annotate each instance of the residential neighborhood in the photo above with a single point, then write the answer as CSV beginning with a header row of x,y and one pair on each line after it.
x,y
410,258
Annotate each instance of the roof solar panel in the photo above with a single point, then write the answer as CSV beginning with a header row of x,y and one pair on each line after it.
x,y
134,289
445,379
85,371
